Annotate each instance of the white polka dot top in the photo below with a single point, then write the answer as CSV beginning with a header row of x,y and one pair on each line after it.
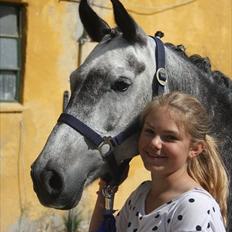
x,y
195,210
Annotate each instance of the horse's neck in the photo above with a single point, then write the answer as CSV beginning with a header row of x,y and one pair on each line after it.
x,y
182,75
185,76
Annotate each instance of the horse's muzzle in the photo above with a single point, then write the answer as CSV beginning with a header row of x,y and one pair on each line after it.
x,y
48,184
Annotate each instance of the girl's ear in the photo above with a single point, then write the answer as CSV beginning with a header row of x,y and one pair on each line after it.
x,y
196,149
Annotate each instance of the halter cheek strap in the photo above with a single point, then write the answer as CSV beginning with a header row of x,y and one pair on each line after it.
x,y
160,78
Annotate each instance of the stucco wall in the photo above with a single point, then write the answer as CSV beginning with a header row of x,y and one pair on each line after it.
x,y
203,27
51,55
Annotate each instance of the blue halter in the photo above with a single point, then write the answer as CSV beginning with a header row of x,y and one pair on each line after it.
x,y
106,144
160,77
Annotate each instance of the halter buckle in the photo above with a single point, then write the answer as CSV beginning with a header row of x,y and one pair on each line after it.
x,y
105,146
161,76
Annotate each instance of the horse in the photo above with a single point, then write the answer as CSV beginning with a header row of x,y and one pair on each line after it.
x,y
108,93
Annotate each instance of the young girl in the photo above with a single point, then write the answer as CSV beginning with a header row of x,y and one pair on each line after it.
x,y
189,185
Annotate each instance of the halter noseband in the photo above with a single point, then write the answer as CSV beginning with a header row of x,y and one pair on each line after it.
x,y
106,144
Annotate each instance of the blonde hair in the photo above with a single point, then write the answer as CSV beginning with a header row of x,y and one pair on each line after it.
x,y
207,168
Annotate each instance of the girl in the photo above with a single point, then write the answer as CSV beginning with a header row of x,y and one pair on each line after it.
x,y
189,185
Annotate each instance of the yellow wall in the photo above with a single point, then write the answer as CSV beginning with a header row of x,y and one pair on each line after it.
x,y
204,27
51,55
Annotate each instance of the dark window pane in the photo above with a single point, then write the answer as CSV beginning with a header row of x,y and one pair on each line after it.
x,y
7,86
8,20
8,53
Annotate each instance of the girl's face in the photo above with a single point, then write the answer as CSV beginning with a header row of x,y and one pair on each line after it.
x,y
163,145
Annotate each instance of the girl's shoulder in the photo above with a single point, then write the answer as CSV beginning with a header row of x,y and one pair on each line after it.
x,y
196,201
196,197
144,187
196,209
140,191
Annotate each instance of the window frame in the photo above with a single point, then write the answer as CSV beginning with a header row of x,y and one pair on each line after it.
x,y
20,41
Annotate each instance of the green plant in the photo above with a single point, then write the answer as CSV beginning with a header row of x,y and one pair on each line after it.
x,y
73,220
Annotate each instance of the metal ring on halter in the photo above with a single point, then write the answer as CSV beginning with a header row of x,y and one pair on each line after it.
x,y
161,73
106,146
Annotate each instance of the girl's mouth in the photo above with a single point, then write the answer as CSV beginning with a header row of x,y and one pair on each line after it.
x,y
156,156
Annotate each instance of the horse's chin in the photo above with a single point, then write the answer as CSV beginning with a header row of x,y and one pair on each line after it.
x,y
67,205
64,201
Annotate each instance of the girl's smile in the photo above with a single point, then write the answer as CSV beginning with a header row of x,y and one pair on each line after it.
x,y
156,159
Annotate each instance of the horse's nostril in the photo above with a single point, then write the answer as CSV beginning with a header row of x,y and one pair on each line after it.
x,y
54,182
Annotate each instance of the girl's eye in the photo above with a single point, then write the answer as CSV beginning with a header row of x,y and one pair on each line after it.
x,y
169,138
149,131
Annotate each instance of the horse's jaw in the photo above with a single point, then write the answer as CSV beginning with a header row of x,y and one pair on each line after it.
x,y
127,150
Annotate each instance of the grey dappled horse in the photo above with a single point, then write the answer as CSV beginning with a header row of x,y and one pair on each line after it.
x,y
109,90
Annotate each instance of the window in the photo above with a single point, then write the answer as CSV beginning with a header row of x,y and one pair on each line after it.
x,y
10,52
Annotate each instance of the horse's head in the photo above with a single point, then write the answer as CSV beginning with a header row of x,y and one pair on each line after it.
x,y
108,91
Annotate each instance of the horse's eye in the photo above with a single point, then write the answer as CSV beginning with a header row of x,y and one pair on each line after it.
x,y
121,85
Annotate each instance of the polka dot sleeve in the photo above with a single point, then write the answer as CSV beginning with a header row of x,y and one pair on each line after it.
x,y
197,212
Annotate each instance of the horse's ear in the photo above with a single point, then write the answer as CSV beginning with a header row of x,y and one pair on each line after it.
x,y
130,29
93,24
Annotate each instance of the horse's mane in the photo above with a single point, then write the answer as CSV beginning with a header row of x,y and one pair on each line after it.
x,y
204,64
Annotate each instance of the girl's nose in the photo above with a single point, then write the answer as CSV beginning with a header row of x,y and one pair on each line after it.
x,y
156,142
